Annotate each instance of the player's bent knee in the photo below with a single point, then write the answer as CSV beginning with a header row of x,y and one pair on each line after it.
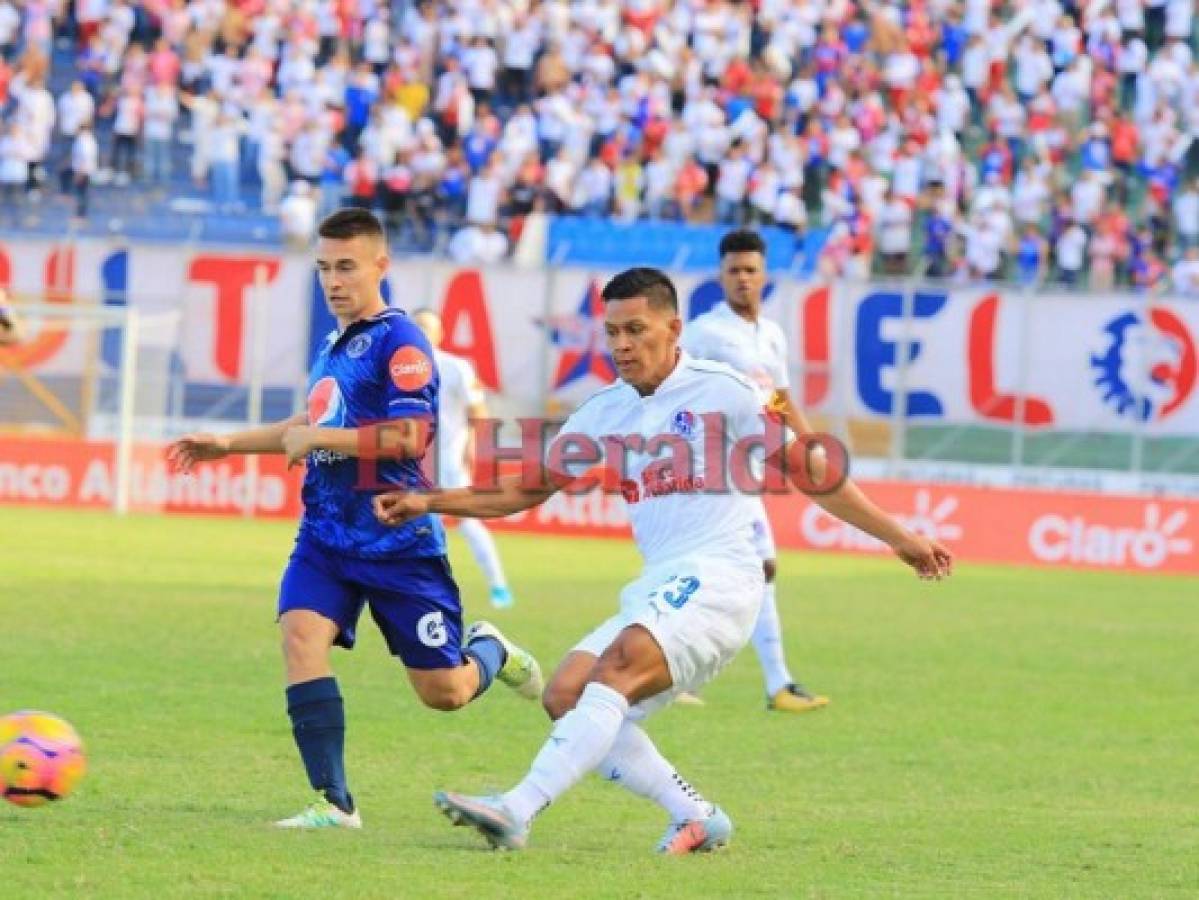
x,y
443,694
446,701
303,648
633,665
559,699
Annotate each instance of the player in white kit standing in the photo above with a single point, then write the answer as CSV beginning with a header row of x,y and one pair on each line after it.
x,y
461,401
734,332
696,601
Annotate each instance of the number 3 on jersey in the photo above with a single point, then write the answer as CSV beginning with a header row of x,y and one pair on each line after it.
x,y
677,590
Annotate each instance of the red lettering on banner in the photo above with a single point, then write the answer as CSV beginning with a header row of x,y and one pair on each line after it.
x,y
815,314
984,395
231,275
83,474
59,287
465,307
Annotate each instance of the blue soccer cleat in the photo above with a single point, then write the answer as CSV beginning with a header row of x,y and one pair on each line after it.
x,y
501,598
486,815
697,836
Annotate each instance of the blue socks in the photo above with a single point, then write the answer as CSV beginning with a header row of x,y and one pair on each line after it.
x,y
490,655
318,723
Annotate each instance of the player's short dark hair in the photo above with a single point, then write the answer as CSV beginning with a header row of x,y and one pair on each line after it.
x,y
652,284
351,223
744,241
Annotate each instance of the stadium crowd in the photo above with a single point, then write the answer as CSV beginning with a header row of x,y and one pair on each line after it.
x,y
1022,139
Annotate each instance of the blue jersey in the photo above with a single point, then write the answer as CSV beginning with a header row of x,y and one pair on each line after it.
x,y
376,370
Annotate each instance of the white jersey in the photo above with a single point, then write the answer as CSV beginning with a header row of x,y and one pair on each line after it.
x,y
460,390
674,508
756,350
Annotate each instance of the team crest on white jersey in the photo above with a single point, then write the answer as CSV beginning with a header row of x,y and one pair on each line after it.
x,y
684,423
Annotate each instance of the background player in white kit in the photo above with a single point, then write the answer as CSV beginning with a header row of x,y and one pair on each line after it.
x,y
694,605
462,400
734,333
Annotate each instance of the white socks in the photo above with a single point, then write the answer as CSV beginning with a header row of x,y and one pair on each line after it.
x,y
768,642
635,764
580,739
482,547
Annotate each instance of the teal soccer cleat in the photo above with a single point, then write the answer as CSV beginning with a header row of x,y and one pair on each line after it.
x,y
322,814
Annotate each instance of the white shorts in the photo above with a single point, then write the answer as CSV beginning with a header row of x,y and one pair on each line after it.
x,y
700,611
763,535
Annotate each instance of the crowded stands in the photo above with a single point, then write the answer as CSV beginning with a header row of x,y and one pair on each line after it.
x,y
1032,140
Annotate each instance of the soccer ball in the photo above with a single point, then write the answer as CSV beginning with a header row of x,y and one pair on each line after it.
x,y
41,758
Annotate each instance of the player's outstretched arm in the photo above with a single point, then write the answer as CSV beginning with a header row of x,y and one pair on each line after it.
x,y
510,496
405,438
190,449
846,501
929,558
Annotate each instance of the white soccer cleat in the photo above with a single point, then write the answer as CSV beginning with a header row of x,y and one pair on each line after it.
x,y
521,671
486,815
322,814
697,836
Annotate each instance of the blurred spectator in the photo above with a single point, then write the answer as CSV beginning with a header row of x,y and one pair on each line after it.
x,y
161,111
297,215
895,234
1030,257
1186,213
1185,275
1104,249
993,121
1070,253
126,131
85,162
478,244
14,164
10,28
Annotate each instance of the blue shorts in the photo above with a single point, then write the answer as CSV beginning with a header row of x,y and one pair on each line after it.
x,y
414,601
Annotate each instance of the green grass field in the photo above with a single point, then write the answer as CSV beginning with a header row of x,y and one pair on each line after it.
x,y
1008,733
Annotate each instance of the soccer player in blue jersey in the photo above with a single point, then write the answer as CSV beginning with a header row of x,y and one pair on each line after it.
x,y
372,405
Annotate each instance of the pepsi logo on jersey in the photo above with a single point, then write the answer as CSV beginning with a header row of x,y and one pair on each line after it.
x,y
325,404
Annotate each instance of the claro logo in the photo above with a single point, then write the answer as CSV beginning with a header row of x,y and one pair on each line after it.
x,y
1057,538
932,520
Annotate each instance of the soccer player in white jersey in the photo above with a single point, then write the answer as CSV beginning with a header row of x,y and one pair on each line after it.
x,y
695,604
734,332
461,401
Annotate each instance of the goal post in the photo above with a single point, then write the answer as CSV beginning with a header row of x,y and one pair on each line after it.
x,y
90,373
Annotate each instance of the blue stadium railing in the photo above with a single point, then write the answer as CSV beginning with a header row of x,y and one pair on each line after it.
x,y
670,245
573,240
